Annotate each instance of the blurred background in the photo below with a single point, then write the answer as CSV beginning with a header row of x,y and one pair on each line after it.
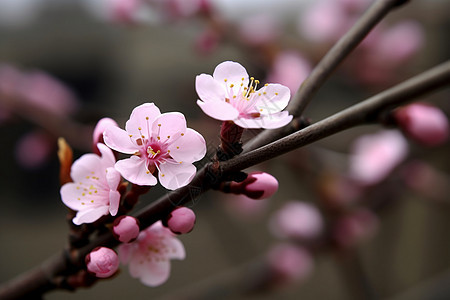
x,y
64,64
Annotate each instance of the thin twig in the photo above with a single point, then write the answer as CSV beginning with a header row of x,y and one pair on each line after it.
x,y
326,66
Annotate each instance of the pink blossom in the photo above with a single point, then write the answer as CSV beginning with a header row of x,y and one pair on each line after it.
x,y
94,190
399,43
126,229
47,92
158,142
324,21
149,256
103,262
374,156
259,29
425,123
42,145
181,220
290,263
289,69
229,95
297,220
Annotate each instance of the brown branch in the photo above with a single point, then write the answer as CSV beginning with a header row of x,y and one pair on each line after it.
x,y
346,44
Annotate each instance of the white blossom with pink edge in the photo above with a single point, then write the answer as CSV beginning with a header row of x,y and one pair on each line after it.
x,y
229,95
94,190
158,142
374,156
149,256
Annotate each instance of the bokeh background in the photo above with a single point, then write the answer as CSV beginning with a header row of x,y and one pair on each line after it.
x,y
110,62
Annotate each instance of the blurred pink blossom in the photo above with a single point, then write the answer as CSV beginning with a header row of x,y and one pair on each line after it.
x,y
324,21
126,229
47,92
289,69
229,95
148,257
374,156
424,123
259,29
102,262
297,220
289,263
399,43
158,142
41,145
355,227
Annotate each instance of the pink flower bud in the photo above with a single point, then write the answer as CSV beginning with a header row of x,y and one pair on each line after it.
x,y
424,123
181,220
103,262
126,229
289,263
97,136
297,220
257,185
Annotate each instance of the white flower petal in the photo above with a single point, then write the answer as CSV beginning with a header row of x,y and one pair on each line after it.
x,y
272,98
230,72
134,170
272,121
188,148
142,117
209,89
222,111
119,140
90,215
175,175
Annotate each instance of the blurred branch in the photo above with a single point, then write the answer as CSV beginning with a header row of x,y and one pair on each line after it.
x,y
325,68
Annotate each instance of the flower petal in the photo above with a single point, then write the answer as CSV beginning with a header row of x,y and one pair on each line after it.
x,y
134,170
90,215
274,98
154,272
79,197
83,166
142,117
119,140
232,72
108,159
209,89
169,126
112,178
222,111
176,247
188,148
175,175
114,200
272,121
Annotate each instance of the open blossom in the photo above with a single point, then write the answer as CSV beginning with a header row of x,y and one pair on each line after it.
x,y
158,142
229,95
94,190
149,256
